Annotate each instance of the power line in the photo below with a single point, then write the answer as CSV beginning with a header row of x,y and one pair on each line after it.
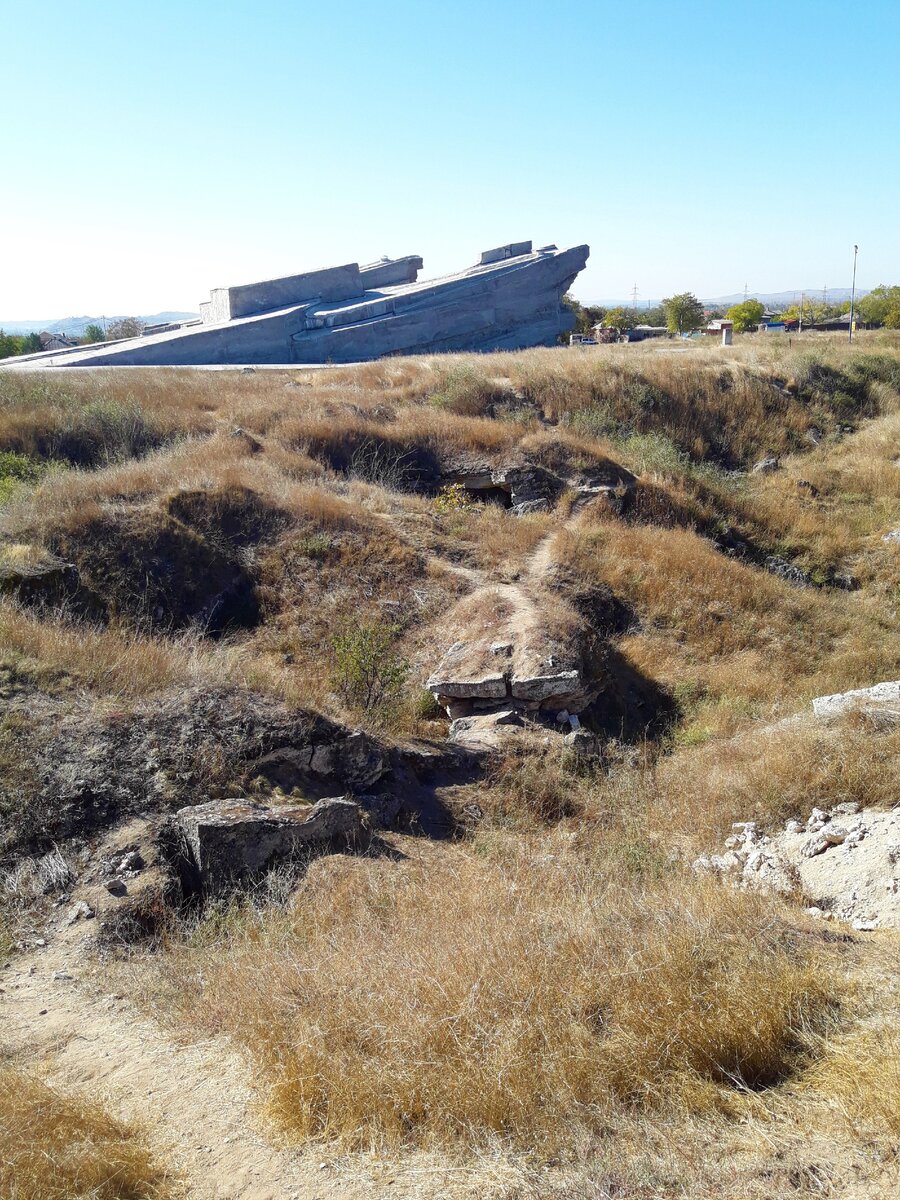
x,y
634,296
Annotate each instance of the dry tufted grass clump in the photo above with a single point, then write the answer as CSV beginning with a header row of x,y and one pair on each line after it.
x,y
76,420
860,1073
60,1147
525,993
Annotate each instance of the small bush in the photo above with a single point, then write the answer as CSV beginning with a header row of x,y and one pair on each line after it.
x,y
368,673
453,499
463,390
314,545
16,469
381,463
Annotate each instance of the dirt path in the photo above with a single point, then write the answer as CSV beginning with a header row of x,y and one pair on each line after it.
x,y
194,1100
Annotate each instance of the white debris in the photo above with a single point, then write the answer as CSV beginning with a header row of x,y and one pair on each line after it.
x,y
847,869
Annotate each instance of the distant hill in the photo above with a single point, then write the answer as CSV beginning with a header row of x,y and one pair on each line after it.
x,y
75,326
776,300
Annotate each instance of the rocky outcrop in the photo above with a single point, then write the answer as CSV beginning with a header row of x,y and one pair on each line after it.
x,y
524,487
40,579
229,842
515,652
879,704
486,731
843,862
92,769
527,487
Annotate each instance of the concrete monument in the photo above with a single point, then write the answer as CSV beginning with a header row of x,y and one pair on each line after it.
x,y
509,300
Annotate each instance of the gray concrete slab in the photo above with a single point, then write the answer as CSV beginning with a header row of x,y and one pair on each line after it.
x,y
511,299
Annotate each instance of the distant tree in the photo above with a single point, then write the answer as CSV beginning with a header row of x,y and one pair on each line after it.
x,y
745,316
586,315
31,344
813,312
93,333
652,316
581,319
128,327
881,306
684,312
619,318
595,314
9,345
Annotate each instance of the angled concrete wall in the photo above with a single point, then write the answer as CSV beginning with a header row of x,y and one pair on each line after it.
x,y
509,300
248,299
392,272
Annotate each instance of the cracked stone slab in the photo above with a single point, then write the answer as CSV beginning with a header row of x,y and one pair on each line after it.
x,y
233,840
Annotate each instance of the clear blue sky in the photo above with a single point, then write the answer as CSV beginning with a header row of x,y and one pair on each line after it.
x,y
153,150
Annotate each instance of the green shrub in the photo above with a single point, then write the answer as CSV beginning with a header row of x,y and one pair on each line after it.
x,y
315,545
16,469
368,673
465,391
452,499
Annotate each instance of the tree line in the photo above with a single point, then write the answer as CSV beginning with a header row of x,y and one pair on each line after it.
x,y
14,344
684,313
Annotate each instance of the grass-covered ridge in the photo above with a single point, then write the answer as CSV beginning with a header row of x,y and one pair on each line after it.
x,y
551,990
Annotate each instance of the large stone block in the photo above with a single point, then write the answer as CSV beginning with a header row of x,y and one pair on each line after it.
x,y
233,841
391,272
249,299
499,253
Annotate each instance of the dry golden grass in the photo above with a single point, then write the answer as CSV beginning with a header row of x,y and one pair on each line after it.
x,y
122,664
731,639
768,775
860,1074
59,1147
526,992
556,984
76,419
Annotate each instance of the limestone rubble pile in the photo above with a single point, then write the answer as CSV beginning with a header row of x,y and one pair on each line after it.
x,y
880,704
844,861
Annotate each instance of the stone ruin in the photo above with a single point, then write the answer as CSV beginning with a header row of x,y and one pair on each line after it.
x,y
509,300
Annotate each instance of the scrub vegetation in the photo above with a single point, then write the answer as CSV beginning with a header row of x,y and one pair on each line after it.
x,y
548,1001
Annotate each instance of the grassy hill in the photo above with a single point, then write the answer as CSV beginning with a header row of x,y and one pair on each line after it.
x,y
204,574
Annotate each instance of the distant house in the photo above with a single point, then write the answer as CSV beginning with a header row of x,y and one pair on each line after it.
x,y
839,324
603,333
56,341
640,333
716,327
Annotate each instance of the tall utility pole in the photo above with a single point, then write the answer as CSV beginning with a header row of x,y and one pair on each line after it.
x,y
634,296
825,296
853,292
745,293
